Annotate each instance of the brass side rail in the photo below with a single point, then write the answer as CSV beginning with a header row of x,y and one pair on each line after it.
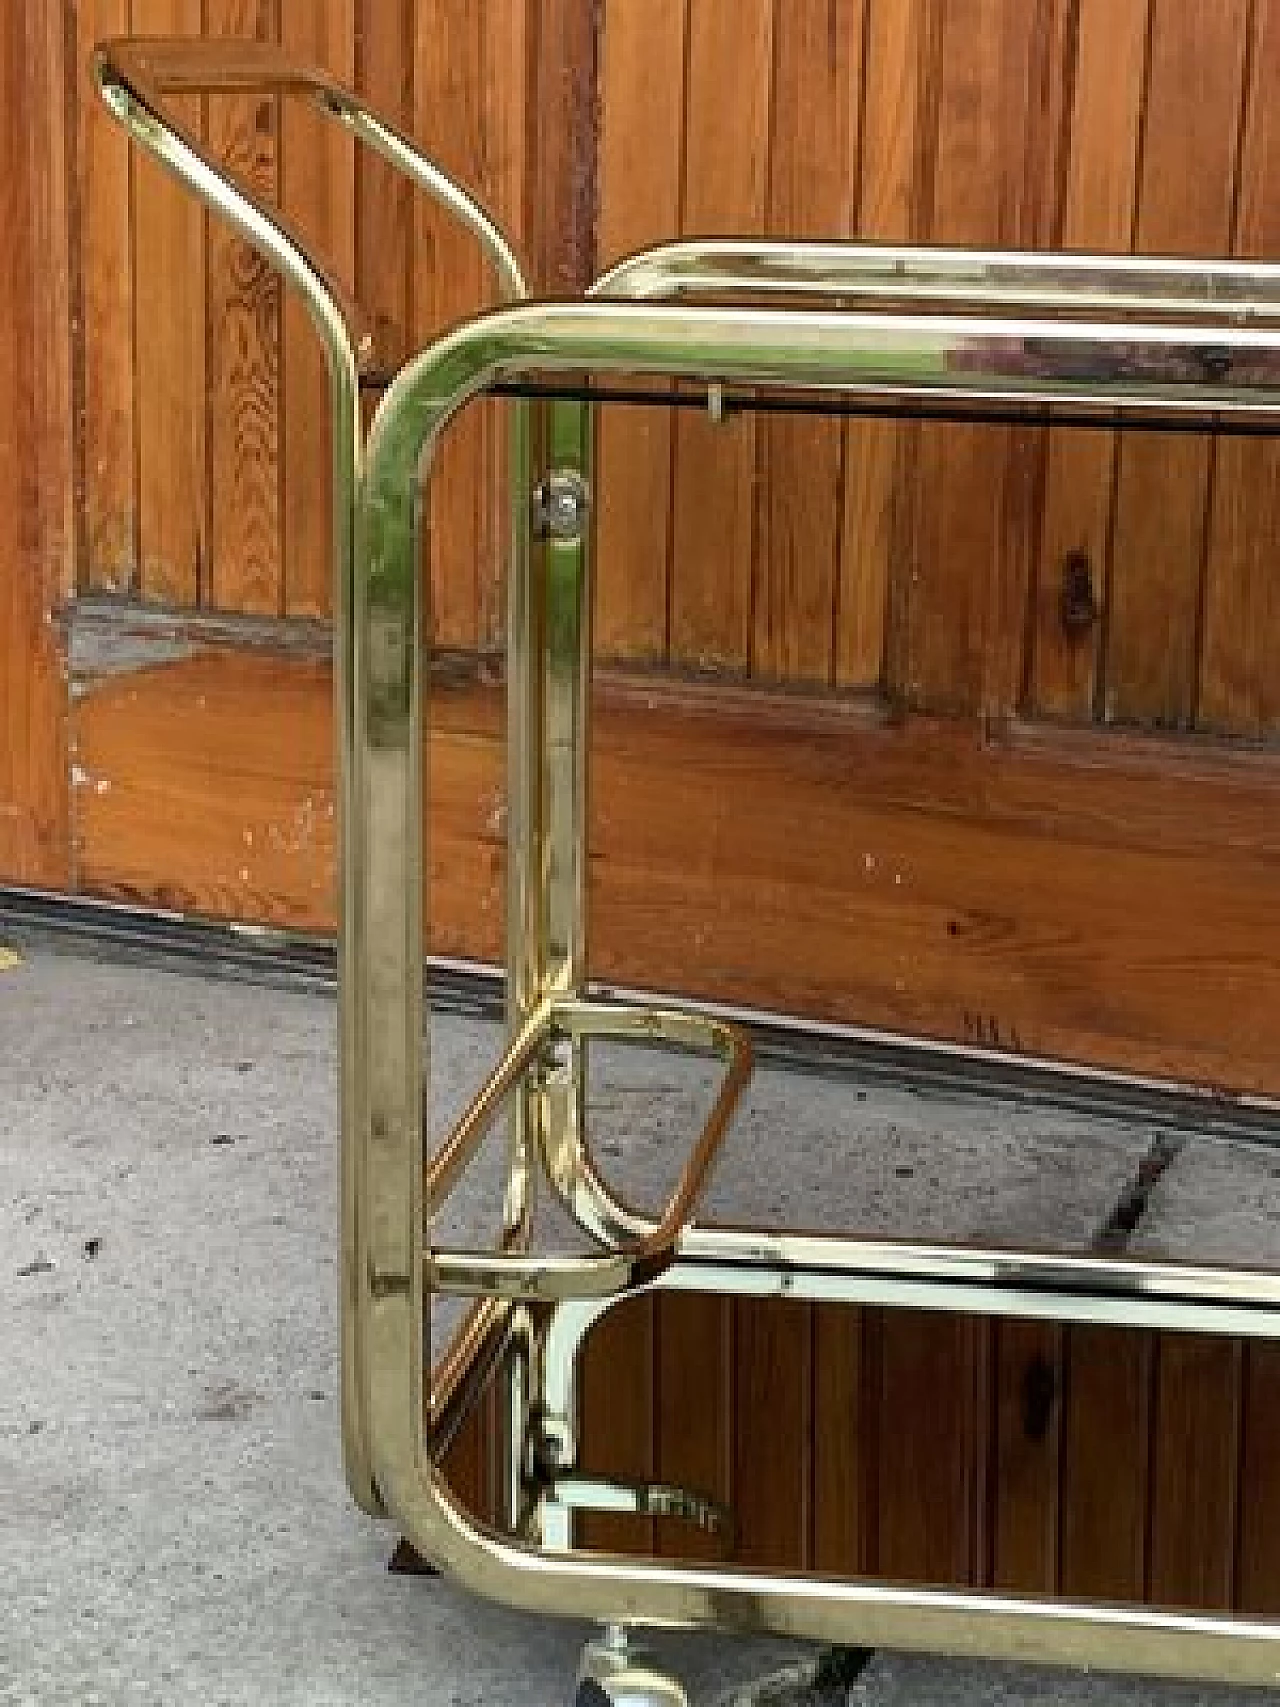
x,y
137,78
1151,365
845,323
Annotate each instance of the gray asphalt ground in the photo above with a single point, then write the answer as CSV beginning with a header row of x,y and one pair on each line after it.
x,y
173,1521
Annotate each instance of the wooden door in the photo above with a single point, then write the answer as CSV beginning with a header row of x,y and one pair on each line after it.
x,y
964,731
35,452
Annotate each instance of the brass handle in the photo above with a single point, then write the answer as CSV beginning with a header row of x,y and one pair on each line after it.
x,y
134,76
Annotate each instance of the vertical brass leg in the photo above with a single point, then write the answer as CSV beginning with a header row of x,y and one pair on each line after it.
x,y
548,651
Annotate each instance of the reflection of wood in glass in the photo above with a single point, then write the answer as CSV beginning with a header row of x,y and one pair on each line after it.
x,y
1211,365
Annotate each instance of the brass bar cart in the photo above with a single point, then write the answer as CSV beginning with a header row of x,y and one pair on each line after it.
x,y
1121,341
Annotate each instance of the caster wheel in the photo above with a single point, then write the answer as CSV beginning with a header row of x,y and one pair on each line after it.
x,y
634,1686
615,1674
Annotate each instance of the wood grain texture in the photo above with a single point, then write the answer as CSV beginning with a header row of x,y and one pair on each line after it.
x,y
245,305
1258,1559
1041,894
36,446
931,1447
449,281
466,101
726,175
384,201
1106,1464
1111,48
694,1410
1239,688
845,1446
773,1432
108,519
895,130
642,71
509,32
170,305
960,615
562,145
1196,1462
1027,1469
1186,205
618,1418
812,192
317,188
19,614
467,1464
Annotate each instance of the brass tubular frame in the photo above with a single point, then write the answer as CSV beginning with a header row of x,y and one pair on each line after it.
x,y
1148,366
133,76
502,1274
1027,281
976,327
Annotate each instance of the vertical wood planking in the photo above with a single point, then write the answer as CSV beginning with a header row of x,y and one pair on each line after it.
x,y
1028,1456
562,153
1258,1562
450,281
617,1407
1186,199
1239,684
694,1409
244,346
384,203
109,514
36,445
1194,1474
509,30
1106,1463
725,190
17,617
469,116
169,304
893,159
467,1463
642,70
318,194
960,642
844,1444
1112,38
46,409
931,1433
773,1422
812,192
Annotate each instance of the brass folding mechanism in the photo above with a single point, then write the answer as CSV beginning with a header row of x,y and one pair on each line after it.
x,y
844,326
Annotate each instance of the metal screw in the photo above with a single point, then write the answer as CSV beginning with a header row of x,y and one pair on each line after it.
x,y
560,505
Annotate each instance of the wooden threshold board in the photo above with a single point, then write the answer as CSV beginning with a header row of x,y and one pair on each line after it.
x,y
1102,898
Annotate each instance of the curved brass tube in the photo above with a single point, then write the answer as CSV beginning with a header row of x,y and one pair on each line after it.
x,y
909,275
511,1274
894,354
133,76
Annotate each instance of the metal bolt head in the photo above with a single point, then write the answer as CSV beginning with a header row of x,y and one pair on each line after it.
x,y
561,503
